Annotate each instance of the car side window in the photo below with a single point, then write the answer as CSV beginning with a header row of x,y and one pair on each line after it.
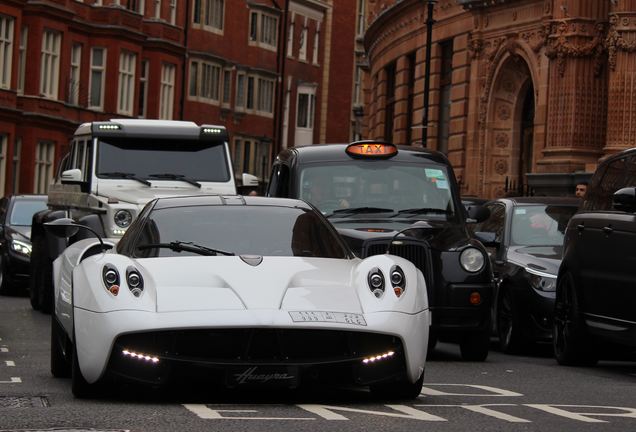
x,y
612,179
4,203
279,182
495,223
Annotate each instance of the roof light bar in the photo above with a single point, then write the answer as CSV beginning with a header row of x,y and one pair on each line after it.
x,y
109,126
209,130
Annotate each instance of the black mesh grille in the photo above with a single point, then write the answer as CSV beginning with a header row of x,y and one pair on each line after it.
x,y
278,346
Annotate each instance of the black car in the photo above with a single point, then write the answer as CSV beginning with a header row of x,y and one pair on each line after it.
x,y
596,288
524,238
404,200
16,213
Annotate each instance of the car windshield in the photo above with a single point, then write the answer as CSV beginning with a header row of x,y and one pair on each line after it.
x,y
422,189
540,225
239,230
163,159
23,211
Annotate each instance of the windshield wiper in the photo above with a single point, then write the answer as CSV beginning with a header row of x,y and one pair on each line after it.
x,y
423,210
180,246
358,210
170,176
125,175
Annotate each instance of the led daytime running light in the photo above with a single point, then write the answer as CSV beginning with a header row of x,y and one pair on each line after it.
x,y
378,357
140,356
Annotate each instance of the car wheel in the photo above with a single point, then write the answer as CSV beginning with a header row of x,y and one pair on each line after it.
x,y
572,346
398,389
80,387
60,366
511,340
474,346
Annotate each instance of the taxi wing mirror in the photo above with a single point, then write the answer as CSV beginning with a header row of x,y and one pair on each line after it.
x,y
625,200
477,214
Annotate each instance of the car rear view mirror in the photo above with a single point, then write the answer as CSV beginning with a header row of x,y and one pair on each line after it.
x,y
625,200
62,227
249,180
71,176
488,239
478,213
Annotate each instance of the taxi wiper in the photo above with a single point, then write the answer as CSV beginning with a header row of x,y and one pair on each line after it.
x,y
170,176
422,210
358,210
180,246
125,175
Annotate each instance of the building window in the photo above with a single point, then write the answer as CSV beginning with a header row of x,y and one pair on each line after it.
x,y
446,75
205,81
4,141
255,94
227,87
50,64
361,18
305,110
44,157
74,79
410,97
290,39
389,107
96,84
166,102
240,91
134,5
357,87
209,13
17,152
263,29
173,11
6,50
302,44
249,93
316,47
157,9
251,156
126,90
22,59
143,90
265,96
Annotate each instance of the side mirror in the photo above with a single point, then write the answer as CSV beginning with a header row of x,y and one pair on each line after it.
x,y
249,180
477,213
71,176
488,239
625,200
65,228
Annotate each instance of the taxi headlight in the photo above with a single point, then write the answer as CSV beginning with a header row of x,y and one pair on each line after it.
x,y
542,281
21,247
472,260
123,218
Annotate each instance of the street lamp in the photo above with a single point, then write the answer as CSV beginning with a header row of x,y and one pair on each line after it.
x,y
427,67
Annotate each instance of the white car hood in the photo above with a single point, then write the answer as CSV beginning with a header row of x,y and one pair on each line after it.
x,y
229,283
141,195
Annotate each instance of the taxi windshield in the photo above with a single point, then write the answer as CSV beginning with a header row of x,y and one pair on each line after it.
x,y
380,186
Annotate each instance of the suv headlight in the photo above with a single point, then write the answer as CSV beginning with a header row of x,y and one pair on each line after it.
x,y
21,247
472,260
123,218
541,281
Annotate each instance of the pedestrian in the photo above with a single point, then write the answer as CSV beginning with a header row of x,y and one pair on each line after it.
x,y
581,189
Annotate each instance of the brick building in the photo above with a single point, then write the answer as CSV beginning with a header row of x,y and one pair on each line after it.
x,y
527,93
64,62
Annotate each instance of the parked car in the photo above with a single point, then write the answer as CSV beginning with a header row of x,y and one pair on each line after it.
x,y
403,200
524,238
16,212
596,286
243,291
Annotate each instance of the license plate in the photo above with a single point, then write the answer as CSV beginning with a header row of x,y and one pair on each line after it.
x,y
271,376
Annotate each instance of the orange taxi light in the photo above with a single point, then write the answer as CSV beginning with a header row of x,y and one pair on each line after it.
x,y
475,298
372,150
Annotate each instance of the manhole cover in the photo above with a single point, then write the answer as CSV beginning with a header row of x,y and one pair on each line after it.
x,y
23,402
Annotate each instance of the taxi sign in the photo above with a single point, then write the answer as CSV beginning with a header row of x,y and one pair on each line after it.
x,y
371,149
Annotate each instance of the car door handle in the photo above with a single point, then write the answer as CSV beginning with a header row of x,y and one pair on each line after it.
x,y
608,230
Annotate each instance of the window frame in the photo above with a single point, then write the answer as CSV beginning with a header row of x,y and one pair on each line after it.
x,y
101,70
50,64
126,82
258,26
7,40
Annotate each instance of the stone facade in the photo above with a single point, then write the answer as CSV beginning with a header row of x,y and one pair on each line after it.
x,y
538,87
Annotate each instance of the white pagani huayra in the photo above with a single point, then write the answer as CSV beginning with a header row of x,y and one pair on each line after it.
x,y
238,291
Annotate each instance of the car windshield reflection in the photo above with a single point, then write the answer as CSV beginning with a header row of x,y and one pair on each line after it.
x,y
540,225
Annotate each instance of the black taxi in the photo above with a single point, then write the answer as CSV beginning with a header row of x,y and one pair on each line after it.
x,y
402,200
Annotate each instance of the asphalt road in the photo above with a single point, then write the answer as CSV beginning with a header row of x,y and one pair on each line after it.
x,y
505,393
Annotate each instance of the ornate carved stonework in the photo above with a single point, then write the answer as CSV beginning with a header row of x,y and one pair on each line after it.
x,y
475,45
501,167
616,39
503,111
563,42
502,140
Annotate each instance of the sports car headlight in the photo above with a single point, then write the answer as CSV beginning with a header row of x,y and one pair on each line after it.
x,y
123,218
472,260
398,281
110,276
135,281
541,281
21,247
376,282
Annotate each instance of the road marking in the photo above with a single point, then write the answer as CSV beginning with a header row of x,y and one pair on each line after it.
x,y
14,380
491,391
206,413
10,362
483,409
327,412
4,349
583,416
